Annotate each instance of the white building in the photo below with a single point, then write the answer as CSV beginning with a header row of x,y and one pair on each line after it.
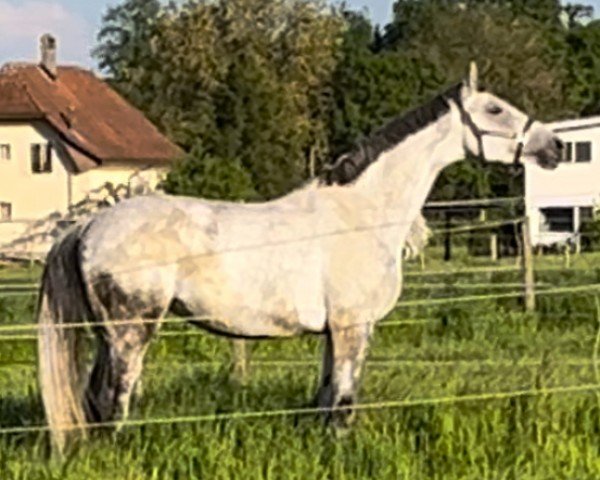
x,y
65,133
557,201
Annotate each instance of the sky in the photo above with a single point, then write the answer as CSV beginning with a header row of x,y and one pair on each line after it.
x,y
76,22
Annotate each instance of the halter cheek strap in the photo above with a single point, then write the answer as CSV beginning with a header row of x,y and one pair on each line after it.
x,y
479,133
521,141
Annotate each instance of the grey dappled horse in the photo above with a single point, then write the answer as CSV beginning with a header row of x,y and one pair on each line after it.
x,y
325,259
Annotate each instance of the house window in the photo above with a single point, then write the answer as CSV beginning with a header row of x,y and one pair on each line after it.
x,y
583,152
557,219
4,151
5,211
41,158
577,152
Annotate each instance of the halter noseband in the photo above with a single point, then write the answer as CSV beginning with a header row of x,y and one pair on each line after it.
x,y
479,133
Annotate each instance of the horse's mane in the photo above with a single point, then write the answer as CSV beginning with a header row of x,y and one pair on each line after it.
x,y
350,166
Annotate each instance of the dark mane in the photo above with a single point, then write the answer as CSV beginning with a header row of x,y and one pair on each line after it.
x,y
349,166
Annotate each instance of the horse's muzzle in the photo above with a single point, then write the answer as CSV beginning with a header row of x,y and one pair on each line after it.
x,y
548,159
548,155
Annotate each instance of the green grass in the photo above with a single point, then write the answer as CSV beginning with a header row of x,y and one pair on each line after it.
x,y
540,437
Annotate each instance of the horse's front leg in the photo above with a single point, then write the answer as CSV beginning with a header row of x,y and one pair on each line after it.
x,y
345,352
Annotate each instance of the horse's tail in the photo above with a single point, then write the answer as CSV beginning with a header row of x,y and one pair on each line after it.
x,y
63,300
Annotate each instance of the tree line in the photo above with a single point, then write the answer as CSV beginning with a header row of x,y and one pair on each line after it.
x,y
262,93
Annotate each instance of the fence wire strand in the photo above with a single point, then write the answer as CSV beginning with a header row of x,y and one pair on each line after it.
x,y
240,415
589,288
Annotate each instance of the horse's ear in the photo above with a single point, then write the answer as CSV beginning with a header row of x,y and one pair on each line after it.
x,y
473,77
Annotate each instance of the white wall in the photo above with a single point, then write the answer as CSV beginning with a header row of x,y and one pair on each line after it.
x,y
34,196
571,184
84,183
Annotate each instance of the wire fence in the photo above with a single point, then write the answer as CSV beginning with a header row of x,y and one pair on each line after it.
x,y
377,362
428,302
29,332
372,406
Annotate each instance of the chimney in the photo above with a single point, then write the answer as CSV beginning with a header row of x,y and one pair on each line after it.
x,y
48,54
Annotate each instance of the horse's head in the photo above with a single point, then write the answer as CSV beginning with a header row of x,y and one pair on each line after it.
x,y
495,130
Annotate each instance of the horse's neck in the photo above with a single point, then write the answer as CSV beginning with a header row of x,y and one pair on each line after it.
x,y
398,183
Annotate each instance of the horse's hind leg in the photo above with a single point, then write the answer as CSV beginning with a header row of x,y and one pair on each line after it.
x,y
342,366
325,392
130,354
116,370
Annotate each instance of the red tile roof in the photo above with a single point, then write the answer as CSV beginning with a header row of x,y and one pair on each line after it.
x,y
16,101
89,116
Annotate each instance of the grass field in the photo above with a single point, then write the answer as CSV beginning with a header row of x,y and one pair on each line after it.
x,y
458,349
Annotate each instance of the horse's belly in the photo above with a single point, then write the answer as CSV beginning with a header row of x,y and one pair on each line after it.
x,y
266,320
256,307
259,326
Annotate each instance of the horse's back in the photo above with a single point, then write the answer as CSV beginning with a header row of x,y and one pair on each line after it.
x,y
133,249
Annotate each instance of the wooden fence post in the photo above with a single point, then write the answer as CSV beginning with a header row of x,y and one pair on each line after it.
x,y
240,361
567,255
527,267
447,238
494,247
312,161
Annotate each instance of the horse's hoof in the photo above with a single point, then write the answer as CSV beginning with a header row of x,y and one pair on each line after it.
x,y
342,416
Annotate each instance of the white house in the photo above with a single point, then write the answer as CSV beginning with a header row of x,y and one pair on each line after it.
x,y
557,201
64,133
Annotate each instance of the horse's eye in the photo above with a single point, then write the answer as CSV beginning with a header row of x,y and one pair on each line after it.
x,y
494,109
